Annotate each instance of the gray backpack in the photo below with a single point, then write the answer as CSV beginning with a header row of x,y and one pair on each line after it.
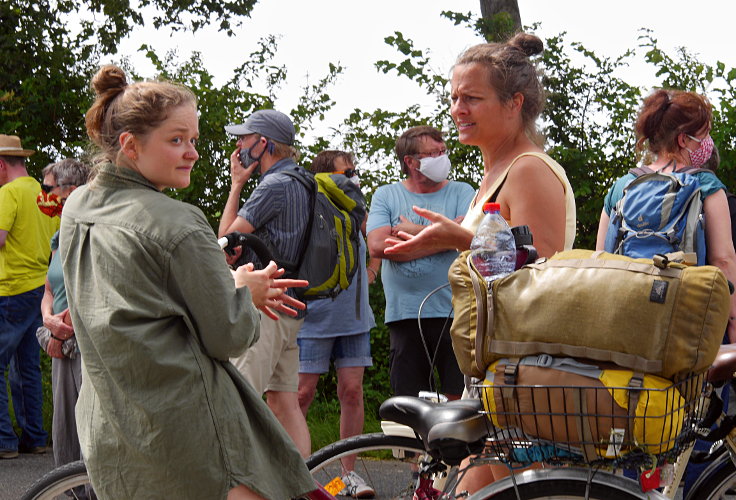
x,y
330,251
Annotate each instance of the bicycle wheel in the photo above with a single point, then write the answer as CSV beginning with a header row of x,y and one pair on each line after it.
x,y
718,481
67,482
387,463
568,484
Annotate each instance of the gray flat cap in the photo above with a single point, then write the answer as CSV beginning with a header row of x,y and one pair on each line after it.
x,y
269,123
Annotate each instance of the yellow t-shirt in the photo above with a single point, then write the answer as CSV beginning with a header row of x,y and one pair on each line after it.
x,y
24,259
475,212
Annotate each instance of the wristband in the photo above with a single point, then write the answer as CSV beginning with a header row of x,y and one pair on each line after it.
x,y
55,337
375,274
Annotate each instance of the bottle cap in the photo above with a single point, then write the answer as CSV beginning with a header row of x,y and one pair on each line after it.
x,y
491,207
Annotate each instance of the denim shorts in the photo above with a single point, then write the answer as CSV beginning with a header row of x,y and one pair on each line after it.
x,y
346,351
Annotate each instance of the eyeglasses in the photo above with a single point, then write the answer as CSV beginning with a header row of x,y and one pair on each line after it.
x,y
47,189
694,138
348,173
432,154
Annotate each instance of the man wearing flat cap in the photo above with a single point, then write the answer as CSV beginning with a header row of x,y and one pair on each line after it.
x,y
25,235
277,212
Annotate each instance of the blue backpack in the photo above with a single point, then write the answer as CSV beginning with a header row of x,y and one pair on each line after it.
x,y
658,213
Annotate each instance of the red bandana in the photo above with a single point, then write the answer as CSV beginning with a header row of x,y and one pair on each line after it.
x,y
49,203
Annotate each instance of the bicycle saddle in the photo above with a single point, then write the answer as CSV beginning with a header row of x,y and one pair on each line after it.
x,y
437,423
724,366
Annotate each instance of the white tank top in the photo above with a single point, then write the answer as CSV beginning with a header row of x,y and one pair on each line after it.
x,y
475,212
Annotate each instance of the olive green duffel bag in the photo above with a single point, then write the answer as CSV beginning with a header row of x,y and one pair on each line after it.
x,y
659,317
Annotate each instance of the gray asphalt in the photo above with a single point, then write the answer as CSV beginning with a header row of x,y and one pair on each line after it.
x,y
17,474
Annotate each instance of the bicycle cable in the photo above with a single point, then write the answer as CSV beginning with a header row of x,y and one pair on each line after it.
x,y
431,358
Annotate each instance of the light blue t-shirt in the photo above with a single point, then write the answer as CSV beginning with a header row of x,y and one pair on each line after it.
x,y
337,318
56,278
406,284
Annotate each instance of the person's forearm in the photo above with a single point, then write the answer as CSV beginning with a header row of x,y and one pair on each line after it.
x,y
374,265
230,212
414,255
47,303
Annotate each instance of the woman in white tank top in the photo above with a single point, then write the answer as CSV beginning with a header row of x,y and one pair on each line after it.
x,y
496,98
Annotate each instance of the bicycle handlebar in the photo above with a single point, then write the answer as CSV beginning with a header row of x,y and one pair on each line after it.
x,y
233,240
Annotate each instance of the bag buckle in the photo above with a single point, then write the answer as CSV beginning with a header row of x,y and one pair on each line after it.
x,y
661,261
510,371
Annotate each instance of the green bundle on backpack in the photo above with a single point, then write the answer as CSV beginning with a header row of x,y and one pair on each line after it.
x,y
329,258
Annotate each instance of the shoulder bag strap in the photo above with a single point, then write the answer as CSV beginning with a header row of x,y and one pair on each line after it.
x,y
639,171
311,188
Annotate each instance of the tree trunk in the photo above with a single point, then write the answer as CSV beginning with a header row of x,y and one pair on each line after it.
x,y
501,18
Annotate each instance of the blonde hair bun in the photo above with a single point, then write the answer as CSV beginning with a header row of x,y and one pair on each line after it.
x,y
109,79
530,45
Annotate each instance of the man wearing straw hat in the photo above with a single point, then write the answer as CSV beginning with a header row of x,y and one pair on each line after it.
x,y
25,234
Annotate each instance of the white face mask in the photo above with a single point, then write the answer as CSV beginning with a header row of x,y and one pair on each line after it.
x,y
435,169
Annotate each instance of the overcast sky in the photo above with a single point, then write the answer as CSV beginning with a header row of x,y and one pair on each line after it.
x,y
350,32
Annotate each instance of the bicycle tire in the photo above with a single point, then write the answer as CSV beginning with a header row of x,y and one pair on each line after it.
x,y
567,484
716,482
390,475
63,482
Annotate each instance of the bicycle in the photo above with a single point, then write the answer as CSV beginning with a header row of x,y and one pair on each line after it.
x,y
436,436
423,444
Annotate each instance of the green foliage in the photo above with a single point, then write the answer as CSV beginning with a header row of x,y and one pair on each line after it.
x,y
44,74
497,28
588,122
51,49
588,125
686,72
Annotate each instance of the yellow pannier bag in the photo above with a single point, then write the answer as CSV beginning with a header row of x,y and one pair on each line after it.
x,y
651,316
600,412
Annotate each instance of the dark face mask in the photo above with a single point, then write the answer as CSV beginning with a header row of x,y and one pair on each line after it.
x,y
247,159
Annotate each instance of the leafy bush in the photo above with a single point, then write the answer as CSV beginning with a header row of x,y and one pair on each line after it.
x,y
588,121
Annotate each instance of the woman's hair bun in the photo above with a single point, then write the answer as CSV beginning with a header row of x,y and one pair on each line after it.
x,y
529,44
109,78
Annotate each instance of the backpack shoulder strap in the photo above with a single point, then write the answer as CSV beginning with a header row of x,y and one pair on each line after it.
x,y
694,170
301,178
311,186
639,171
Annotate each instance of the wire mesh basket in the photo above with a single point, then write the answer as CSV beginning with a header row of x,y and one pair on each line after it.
x,y
645,421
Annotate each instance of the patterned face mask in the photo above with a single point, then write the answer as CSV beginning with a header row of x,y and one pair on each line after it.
x,y
702,154
49,204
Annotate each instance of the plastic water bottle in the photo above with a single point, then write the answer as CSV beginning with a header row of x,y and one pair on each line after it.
x,y
493,248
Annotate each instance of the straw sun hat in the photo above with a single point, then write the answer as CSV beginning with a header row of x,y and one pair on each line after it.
x,y
10,146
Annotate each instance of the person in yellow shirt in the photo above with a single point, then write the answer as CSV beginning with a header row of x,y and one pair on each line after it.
x,y
25,236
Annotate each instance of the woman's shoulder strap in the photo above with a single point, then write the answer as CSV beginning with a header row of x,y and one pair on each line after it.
x,y
549,161
501,180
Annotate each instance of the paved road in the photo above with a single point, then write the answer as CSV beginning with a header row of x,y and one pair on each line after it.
x,y
19,473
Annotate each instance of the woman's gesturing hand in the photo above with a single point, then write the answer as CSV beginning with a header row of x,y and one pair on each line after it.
x,y
268,291
441,234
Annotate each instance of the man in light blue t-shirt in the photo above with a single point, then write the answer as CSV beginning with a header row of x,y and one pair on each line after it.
x,y
408,279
